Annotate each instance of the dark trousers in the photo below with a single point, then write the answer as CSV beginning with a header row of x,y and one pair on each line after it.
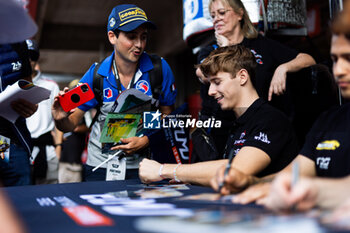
x,y
17,171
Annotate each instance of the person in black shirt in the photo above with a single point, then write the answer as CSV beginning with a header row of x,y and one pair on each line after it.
x,y
326,151
274,60
262,137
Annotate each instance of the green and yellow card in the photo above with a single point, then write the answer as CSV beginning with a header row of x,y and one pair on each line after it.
x,y
119,125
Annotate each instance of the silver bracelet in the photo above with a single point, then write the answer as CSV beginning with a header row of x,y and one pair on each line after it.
x,y
160,171
175,177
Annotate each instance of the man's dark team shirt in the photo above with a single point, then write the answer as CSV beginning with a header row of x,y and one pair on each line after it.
x,y
328,143
269,55
266,128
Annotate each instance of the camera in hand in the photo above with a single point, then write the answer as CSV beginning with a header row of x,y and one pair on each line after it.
x,y
76,97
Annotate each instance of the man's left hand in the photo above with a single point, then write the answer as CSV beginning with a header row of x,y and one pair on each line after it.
x,y
24,108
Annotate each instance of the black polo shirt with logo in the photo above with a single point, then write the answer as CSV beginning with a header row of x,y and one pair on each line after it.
x,y
328,143
268,129
269,54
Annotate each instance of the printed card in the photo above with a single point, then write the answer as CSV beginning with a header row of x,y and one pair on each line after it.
x,y
119,126
5,148
209,197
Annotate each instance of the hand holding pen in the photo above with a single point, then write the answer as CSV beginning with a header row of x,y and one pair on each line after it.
x,y
231,179
290,193
227,169
295,178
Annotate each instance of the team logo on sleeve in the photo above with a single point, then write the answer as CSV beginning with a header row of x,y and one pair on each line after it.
x,y
258,57
142,86
107,93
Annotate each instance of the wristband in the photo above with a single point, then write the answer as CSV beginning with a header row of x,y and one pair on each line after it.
x,y
175,177
60,144
160,171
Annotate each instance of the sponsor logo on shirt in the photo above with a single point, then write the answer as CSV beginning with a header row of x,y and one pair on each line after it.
x,y
328,145
241,141
262,137
107,93
258,57
142,86
323,162
242,135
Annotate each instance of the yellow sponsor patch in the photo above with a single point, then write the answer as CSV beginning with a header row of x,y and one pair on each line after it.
x,y
328,145
132,13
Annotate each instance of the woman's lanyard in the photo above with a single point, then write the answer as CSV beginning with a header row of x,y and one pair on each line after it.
x,y
119,84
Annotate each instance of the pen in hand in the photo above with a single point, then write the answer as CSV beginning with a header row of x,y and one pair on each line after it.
x,y
227,169
295,178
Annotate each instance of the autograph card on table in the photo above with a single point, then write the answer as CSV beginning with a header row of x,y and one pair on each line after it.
x,y
160,186
148,193
209,197
109,199
156,209
227,221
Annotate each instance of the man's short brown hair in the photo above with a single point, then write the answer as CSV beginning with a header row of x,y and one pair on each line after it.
x,y
229,59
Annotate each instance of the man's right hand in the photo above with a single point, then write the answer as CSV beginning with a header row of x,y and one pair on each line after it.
x,y
234,182
221,40
65,121
57,111
283,196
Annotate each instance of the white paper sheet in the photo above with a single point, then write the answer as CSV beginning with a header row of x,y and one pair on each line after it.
x,y
33,94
